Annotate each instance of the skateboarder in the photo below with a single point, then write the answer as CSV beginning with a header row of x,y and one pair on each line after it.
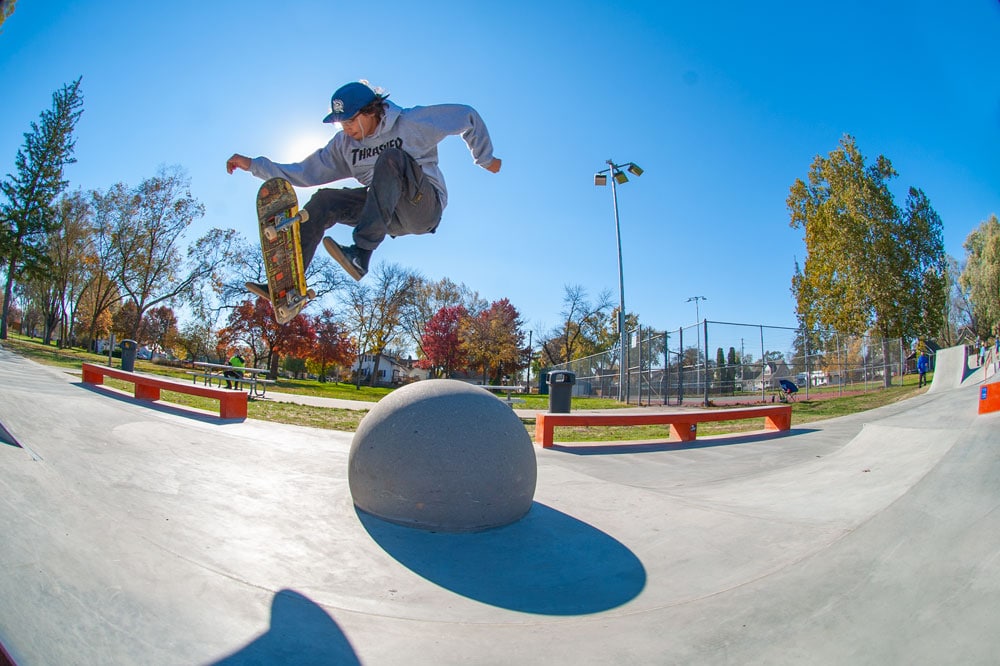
x,y
393,152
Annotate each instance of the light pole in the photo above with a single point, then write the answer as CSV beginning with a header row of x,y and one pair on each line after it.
x,y
697,332
618,177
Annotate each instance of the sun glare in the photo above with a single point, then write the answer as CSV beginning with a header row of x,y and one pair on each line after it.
x,y
300,144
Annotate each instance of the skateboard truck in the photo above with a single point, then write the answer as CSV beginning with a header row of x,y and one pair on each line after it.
x,y
293,300
281,221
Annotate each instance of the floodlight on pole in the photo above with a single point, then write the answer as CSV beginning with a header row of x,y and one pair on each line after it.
x,y
618,177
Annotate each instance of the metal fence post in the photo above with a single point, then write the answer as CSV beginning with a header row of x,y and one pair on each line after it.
x,y
705,325
763,393
680,368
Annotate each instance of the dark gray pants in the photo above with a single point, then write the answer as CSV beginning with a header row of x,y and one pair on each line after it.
x,y
399,202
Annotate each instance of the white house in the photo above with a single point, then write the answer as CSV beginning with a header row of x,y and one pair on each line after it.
x,y
391,370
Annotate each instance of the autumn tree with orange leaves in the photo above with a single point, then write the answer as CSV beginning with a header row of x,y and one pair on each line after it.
x,y
252,324
494,341
333,345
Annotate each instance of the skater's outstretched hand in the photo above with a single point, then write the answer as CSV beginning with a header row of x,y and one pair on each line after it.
x,y
492,167
237,161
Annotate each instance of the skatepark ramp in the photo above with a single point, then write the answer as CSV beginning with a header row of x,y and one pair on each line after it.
x,y
953,367
139,534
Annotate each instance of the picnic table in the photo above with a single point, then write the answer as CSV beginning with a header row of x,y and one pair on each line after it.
x,y
508,389
214,372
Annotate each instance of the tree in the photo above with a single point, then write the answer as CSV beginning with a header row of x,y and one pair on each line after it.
x,y
57,292
425,299
101,293
870,266
494,341
980,279
91,322
958,312
126,323
442,341
196,339
149,223
731,362
6,9
587,327
925,271
26,217
160,327
245,263
375,308
720,368
252,325
332,347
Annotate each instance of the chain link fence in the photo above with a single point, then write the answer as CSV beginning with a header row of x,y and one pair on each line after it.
x,y
718,362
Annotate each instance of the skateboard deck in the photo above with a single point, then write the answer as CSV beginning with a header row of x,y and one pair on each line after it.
x,y
279,217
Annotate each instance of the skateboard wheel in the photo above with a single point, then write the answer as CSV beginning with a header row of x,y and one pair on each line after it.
x,y
311,294
303,215
270,233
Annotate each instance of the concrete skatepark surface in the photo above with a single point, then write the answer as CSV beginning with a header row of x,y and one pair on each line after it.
x,y
148,534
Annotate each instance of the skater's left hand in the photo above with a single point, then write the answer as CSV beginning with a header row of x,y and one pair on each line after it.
x,y
494,166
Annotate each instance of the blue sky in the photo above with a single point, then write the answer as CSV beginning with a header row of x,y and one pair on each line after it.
x,y
723,105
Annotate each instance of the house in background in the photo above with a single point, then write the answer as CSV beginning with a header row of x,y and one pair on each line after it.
x,y
391,370
774,372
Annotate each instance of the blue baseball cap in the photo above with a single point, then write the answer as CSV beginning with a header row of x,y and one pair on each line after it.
x,y
348,100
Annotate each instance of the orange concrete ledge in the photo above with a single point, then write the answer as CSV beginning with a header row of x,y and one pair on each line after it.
x,y
683,425
989,398
232,403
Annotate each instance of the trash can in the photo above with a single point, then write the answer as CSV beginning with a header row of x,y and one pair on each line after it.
x,y
129,348
561,391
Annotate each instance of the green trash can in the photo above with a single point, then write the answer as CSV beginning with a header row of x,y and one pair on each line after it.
x,y
561,391
129,348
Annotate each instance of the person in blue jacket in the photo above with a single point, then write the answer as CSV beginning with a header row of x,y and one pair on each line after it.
x,y
922,364
392,152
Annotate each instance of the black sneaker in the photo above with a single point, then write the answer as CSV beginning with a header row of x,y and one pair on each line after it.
x,y
352,258
258,289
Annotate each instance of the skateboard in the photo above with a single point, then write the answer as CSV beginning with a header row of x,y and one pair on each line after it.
x,y
279,216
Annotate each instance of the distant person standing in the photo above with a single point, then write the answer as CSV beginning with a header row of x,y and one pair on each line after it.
x,y
922,364
237,362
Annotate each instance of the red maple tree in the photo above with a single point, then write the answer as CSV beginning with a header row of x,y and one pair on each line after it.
x,y
333,345
442,341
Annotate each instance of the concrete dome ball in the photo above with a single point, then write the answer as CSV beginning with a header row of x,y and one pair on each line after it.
x,y
443,455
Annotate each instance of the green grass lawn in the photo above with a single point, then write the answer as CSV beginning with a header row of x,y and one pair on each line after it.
x,y
803,411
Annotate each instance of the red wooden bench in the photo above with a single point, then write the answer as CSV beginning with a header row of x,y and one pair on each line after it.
x,y
683,425
232,403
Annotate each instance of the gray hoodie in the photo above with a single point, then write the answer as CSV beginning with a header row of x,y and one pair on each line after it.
x,y
417,131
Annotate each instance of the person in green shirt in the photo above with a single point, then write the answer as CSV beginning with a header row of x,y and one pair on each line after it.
x,y
237,362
